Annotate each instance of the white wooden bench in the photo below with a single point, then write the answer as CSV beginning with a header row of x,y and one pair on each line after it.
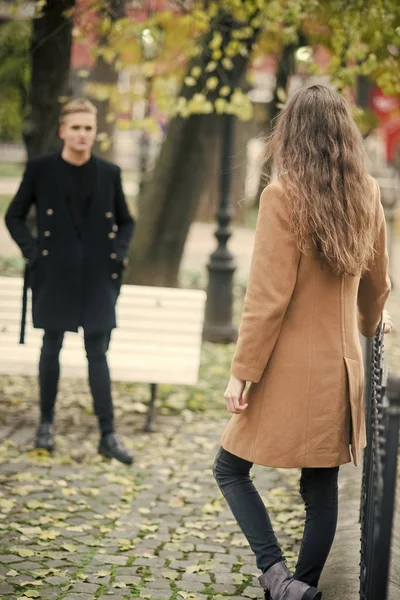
x,y
158,339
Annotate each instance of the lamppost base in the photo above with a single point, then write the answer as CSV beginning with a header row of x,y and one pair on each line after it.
x,y
218,325
220,334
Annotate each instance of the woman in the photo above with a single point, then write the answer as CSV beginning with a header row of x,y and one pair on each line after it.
x,y
319,269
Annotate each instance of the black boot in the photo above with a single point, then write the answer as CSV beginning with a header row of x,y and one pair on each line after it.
x,y
44,437
111,447
279,583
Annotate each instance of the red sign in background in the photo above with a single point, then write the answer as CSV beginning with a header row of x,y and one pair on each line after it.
x,y
387,109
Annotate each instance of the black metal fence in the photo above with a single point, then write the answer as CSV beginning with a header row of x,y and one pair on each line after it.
x,y
379,474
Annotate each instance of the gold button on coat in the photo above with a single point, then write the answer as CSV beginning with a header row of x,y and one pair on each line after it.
x,y
114,275
45,252
47,234
49,212
115,227
109,215
111,235
113,255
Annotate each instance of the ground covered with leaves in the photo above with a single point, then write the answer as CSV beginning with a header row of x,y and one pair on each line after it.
x,y
77,527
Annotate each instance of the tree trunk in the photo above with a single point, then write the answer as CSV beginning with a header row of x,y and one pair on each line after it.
x,y
169,201
104,74
50,53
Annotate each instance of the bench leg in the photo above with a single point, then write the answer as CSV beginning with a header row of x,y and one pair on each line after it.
x,y
152,408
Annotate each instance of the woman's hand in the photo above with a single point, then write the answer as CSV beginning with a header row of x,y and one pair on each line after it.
x,y
387,322
235,403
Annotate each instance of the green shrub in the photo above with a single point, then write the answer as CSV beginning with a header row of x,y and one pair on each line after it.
x,y
14,77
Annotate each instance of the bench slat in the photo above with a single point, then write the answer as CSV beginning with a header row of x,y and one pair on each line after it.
x,y
158,340
141,338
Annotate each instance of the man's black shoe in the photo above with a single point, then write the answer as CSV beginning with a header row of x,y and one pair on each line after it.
x,y
44,437
111,447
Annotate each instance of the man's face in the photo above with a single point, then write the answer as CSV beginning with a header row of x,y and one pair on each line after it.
x,y
78,131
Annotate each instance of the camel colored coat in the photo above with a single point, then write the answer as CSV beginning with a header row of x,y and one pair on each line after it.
x,y
299,347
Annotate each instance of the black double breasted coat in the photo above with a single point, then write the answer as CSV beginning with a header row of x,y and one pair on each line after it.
x,y
75,276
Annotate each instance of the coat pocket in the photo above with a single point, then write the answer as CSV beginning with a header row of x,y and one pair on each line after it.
x,y
355,379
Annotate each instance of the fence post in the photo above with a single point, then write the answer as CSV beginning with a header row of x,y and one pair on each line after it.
x,y
389,486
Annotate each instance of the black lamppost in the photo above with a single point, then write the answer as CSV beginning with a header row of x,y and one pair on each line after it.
x,y
218,326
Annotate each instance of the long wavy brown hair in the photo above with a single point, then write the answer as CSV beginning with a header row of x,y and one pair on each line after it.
x,y
319,155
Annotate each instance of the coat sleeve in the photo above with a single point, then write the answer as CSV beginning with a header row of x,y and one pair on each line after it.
x,y
123,219
374,287
272,278
17,212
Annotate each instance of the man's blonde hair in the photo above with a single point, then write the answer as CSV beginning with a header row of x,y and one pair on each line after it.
x,y
79,105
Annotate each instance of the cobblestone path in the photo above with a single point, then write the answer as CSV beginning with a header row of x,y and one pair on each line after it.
x,y
76,527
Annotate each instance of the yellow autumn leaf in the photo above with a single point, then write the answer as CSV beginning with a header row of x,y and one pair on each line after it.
x,y
23,552
196,72
190,81
212,65
227,63
225,91
216,41
212,83
220,105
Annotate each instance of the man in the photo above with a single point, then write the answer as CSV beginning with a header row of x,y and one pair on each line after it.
x,y
75,265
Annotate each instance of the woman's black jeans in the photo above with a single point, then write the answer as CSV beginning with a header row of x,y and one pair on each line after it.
x,y
96,346
319,490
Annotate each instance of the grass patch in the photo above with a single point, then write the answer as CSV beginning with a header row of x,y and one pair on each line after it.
x,y
4,202
11,266
11,169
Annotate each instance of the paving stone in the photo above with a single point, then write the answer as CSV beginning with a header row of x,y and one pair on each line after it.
x,y
253,591
153,563
28,566
159,584
179,564
113,560
76,559
58,564
57,580
95,568
199,577
195,557
86,588
128,579
190,586
49,593
6,588
10,559
223,578
170,555
224,588
159,594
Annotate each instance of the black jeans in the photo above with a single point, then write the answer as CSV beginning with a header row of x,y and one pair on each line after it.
x,y
319,490
96,346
